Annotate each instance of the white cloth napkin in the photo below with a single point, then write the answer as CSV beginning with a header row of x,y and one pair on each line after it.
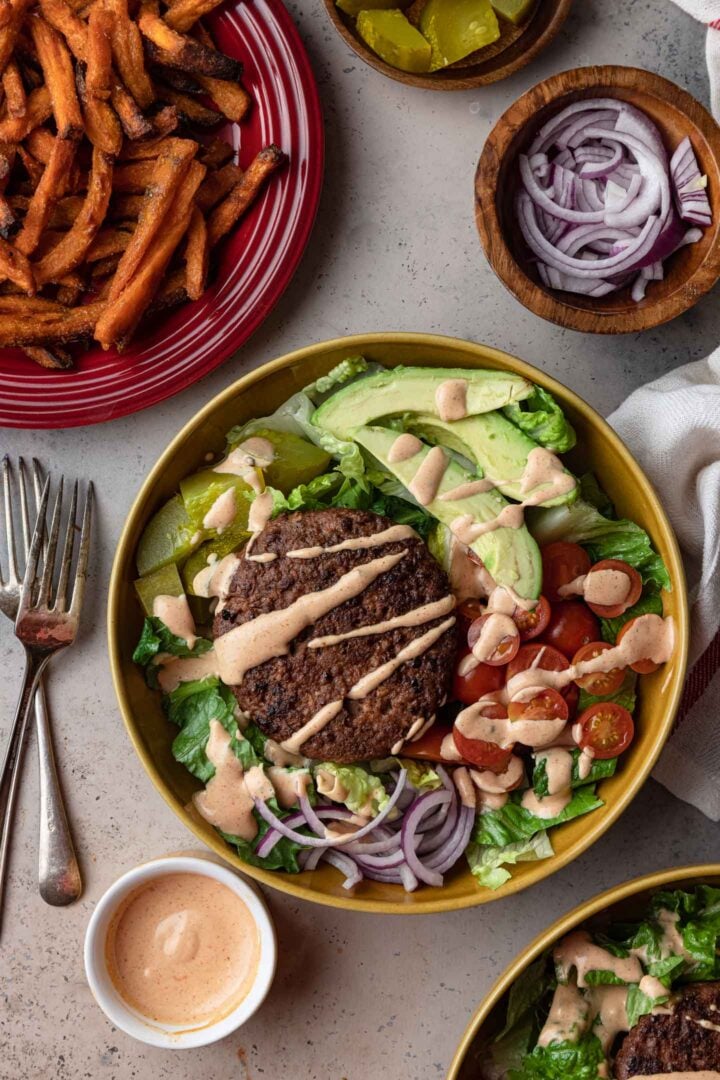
x,y
672,426
708,12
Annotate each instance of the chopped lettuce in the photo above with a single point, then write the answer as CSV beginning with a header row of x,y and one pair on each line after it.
x,y
420,774
650,603
625,696
603,538
540,417
192,706
600,770
155,639
640,1004
509,1047
365,791
513,823
284,856
563,1061
487,862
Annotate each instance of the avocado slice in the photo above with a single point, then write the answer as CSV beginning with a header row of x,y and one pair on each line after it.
x,y
511,556
394,39
456,28
396,391
496,446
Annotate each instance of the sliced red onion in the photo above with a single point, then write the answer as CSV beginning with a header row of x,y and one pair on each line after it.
x,y
422,806
446,857
346,865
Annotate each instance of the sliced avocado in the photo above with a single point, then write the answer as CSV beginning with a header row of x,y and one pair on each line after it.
x,y
399,390
491,442
354,7
163,582
169,537
296,460
515,11
394,39
456,28
511,556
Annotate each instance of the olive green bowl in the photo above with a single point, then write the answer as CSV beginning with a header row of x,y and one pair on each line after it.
x,y
624,902
258,394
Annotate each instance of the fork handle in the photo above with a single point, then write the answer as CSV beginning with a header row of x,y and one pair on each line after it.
x,y
10,774
58,870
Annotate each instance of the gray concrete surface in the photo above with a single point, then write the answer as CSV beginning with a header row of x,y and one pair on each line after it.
x,y
395,247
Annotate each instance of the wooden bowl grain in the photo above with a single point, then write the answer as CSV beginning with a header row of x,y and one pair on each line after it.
x,y
515,48
689,273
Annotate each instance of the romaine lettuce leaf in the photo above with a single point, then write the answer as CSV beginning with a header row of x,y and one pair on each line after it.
x,y
540,417
513,823
155,638
600,770
509,1047
563,1061
487,862
192,706
420,774
640,1004
284,856
650,603
625,696
365,791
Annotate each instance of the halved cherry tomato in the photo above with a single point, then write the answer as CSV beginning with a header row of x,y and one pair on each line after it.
x,y
467,612
545,705
599,683
641,667
572,697
538,656
562,563
482,680
607,729
484,754
428,748
611,611
572,625
504,652
532,623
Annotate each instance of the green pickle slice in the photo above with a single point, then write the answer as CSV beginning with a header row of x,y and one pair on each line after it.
x,y
354,7
232,539
515,11
200,490
395,40
456,28
296,460
163,582
169,537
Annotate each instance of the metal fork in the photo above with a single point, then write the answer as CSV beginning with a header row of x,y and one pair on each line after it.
x,y
43,627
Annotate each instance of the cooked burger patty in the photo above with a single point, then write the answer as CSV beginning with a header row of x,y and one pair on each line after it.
x,y
284,693
683,1041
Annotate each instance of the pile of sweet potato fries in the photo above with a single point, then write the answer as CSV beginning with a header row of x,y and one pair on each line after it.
x,y
112,191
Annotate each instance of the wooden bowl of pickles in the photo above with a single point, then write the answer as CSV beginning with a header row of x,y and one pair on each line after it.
x,y
447,44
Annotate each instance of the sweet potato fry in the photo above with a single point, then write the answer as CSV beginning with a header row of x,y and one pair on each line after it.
x,y
165,121
232,208
65,212
127,52
184,13
132,120
197,256
176,80
31,165
6,10
231,99
52,328
99,77
104,268
118,321
192,111
108,242
11,29
142,150
48,192
40,143
7,218
215,153
182,52
167,177
26,305
133,178
57,68
125,207
15,128
15,96
70,252
101,123
56,358
62,18
72,286
15,267
216,186
171,292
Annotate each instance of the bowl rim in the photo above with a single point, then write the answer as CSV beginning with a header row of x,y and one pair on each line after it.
x,y
355,344
546,938
546,302
108,998
460,80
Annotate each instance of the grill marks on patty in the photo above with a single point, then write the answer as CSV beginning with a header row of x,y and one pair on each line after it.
x,y
675,1042
282,694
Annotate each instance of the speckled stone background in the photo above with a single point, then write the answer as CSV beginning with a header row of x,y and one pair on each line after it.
x,y
395,247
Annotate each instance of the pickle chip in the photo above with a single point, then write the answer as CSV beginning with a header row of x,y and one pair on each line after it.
x,y
457,28
395,40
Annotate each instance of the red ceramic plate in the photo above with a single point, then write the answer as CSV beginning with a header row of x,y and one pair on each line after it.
x,y
255,265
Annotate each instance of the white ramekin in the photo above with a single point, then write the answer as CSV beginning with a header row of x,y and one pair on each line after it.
x,y
123,1015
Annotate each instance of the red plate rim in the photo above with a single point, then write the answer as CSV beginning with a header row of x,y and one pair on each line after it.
x,y
192,343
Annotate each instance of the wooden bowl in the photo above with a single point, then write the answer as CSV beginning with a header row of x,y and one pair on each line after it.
x,y
258,394
689,273
622,903
515,48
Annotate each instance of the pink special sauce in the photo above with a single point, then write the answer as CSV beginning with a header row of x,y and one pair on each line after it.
x,y
183,949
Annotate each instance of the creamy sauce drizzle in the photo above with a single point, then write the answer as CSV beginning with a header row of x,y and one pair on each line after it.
x,y
356,543
416,617
468,577
405,446
577,951
569,1016
175,612
185,669
451,399
468,489
497,629
268,635
245,460
183,949
261,510
426,482
603,587
226,801
222,512
558,769
214,579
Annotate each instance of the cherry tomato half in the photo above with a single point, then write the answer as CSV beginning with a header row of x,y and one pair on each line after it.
x,y
481,752
505,650
467,612
482,680
572,625
607,729
539,656
428,748
599,683
611,611
545,705
572,697
532,623
642,667
562,563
